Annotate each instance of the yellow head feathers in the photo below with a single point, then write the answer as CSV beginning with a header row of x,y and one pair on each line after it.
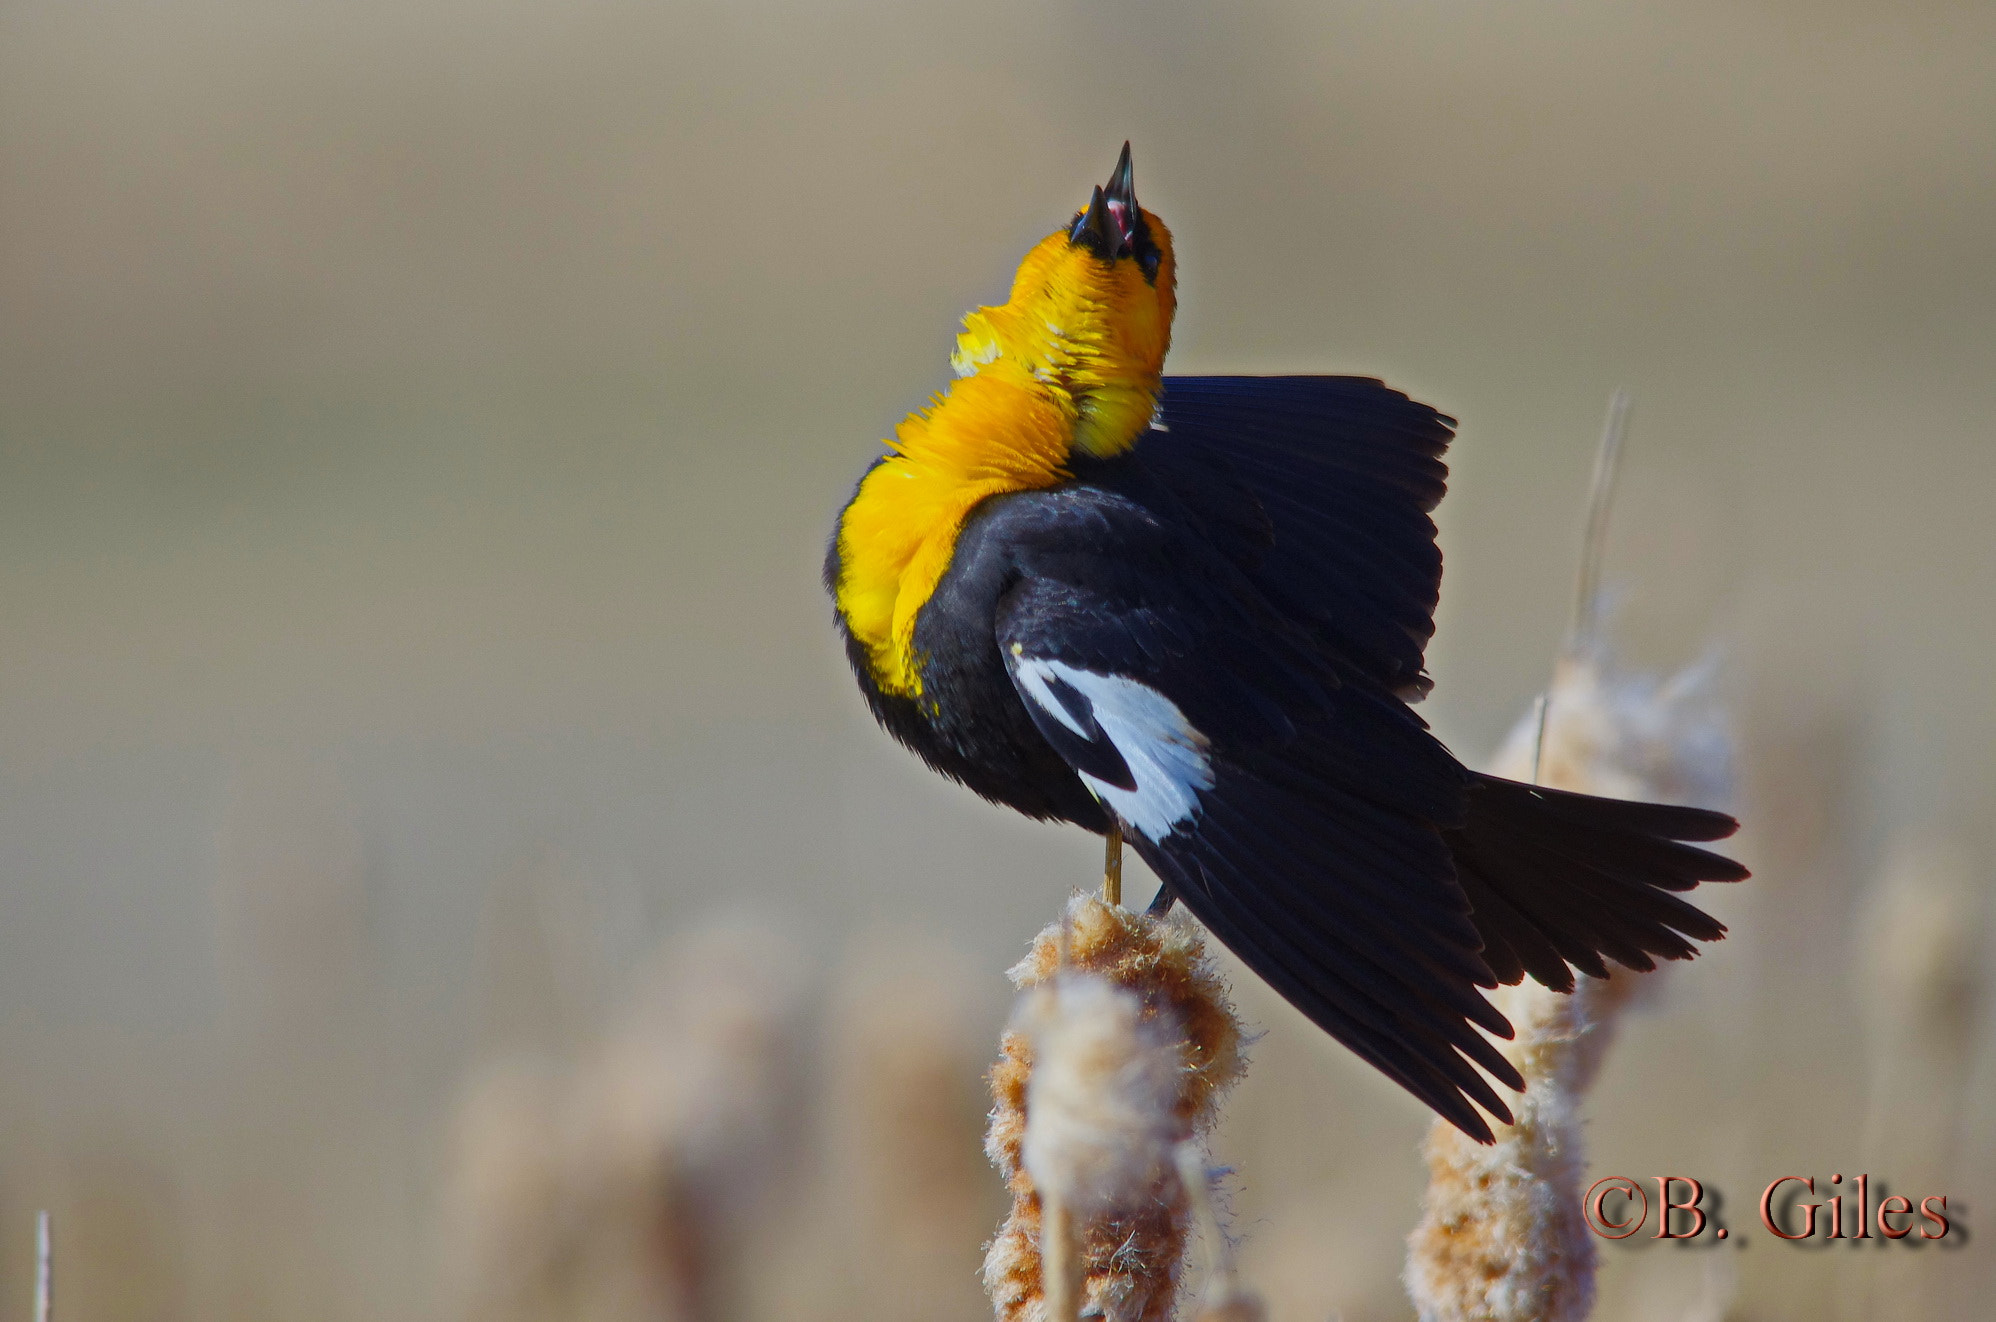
x,y
1087,334
1069,366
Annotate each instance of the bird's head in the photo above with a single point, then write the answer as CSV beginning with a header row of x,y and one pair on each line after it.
x,y
1088,321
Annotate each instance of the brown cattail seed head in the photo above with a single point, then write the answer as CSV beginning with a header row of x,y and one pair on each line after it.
x,y
617,1186
1502,1236
1101,1112
1921,952
1156,989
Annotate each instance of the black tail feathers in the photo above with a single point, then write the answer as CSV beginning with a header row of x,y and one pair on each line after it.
x,y
1353,913
1559,879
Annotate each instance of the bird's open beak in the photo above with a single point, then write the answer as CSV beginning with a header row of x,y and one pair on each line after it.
x,y
1108,228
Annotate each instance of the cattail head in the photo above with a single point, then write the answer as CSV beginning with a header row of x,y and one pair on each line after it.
x,y
901,1202
1502,1236
1160,1034
612,1187
1920,951
1626,735
1101,1106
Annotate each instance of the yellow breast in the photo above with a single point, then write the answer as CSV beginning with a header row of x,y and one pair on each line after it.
x,y
988,436
1071,363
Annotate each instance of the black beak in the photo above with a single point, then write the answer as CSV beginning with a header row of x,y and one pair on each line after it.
x,y
1113,225
1121,194
1096,230
1108,227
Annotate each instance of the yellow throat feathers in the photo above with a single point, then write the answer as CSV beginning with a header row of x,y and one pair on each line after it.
x,y
1070,363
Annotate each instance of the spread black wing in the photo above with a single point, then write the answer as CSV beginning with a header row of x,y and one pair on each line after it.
x,y
1321,488
1296,814
1305,814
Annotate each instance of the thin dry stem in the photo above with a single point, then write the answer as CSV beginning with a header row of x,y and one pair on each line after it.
x,y
44,1267
1585,624
1061,1251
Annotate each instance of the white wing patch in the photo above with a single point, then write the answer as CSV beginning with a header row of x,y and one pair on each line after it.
x,y
1032,676
1166,756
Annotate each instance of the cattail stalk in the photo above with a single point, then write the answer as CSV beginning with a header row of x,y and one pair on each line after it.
x,y
1062,1253
1501,1237
44,1267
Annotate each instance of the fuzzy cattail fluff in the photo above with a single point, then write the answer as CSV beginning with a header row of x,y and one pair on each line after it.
x,y
1100,1114
901,1201
1627,735
610,1190
1225,1299
1123,1045
1101,1105
1502,1236
1920,954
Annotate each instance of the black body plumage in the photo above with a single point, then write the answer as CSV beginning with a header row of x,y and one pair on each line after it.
x,y
1214,635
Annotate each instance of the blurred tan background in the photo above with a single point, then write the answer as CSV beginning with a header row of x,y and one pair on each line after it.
x,y
419,426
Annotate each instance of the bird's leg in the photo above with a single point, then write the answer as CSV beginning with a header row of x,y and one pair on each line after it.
x,y
1112,863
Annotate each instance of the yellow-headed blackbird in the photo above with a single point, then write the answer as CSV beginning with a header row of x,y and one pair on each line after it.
x,y
1192,610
